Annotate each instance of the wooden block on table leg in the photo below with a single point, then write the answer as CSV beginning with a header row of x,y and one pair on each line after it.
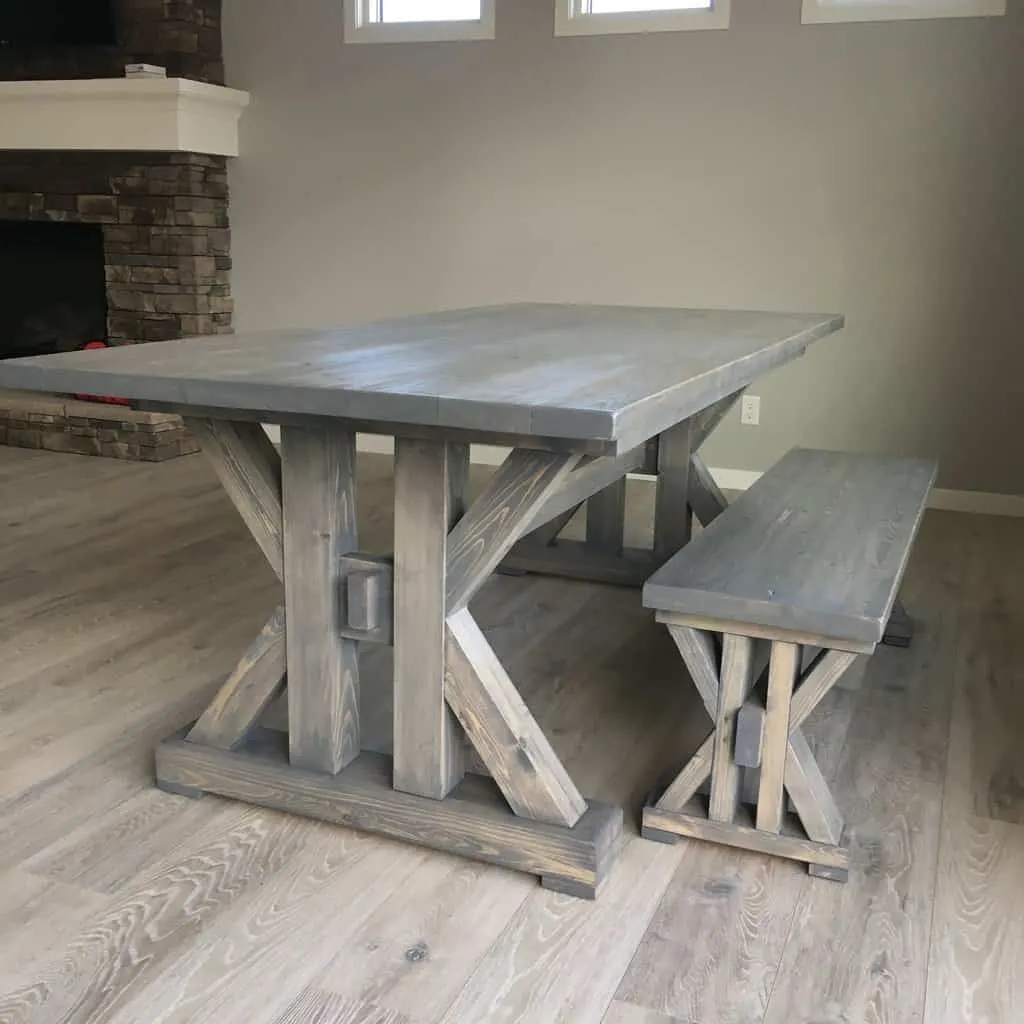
x,y
475,821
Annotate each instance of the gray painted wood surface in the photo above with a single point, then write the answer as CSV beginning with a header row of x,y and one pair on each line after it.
x,y
320,524
771,803
733,686
579,372
248,691
428,741
666,826
606,519
502,729
499,517
249,469
474,822
672,523
818,544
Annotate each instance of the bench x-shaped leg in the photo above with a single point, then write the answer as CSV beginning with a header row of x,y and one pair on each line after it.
x,y
774,740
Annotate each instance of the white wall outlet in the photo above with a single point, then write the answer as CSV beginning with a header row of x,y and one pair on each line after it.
x,y
750,410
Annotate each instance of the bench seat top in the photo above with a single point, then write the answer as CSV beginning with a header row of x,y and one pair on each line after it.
x,y
816,547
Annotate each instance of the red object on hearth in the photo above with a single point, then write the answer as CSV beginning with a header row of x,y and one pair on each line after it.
x,y
100,398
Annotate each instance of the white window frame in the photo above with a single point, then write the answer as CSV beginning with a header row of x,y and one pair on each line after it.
x,y
361,28
571,19
830,12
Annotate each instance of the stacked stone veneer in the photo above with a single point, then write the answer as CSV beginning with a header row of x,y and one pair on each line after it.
x,y
164,216
90,428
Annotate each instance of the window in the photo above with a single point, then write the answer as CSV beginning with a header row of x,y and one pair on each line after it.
x,y
413,21
596,17
824,11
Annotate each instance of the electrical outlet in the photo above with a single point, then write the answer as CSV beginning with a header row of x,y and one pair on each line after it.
x,y
750,410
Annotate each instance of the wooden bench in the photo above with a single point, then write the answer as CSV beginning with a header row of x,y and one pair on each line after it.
x,y
804,568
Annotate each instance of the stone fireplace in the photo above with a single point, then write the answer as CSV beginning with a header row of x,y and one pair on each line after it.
x,y
117,246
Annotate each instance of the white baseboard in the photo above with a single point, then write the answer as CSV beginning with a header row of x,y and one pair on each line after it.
x,y
981,502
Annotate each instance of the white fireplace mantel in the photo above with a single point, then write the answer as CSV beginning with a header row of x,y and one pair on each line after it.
x,y
126,114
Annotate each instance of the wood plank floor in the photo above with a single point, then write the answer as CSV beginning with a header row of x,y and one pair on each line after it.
x,y
127,591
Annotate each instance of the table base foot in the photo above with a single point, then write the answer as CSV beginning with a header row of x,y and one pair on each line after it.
x,y
176,790
474,822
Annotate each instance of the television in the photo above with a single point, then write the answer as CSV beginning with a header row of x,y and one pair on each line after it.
x,y
37,23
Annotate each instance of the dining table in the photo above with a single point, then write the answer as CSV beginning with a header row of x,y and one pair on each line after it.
x,y
578,397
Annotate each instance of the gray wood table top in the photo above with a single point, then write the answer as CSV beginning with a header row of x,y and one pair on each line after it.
x,y
604,373
819,544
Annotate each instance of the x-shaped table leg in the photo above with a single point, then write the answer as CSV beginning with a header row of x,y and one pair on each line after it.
x,y
788,764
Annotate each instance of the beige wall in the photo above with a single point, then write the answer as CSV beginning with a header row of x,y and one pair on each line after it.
x,y
877,170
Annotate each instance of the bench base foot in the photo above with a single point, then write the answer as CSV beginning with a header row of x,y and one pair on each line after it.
x,y
474,821
899,630
832,874
823,859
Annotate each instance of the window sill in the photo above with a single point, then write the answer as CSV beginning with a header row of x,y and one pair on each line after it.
x,y
639,22
820,12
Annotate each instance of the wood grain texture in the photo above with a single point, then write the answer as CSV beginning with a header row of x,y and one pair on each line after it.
x,y
589,478
428,742
249,469
319,527
809,793
734,685
825,670
758,632
502,729
258,956
119,636
441,923
860,951
698,651
776,560
628,1013
125,946
977,942
705,496
560,958
316,1007
672,498
743,836
713,947
606,519
257,680
498,518
771,804
587,372
474,822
